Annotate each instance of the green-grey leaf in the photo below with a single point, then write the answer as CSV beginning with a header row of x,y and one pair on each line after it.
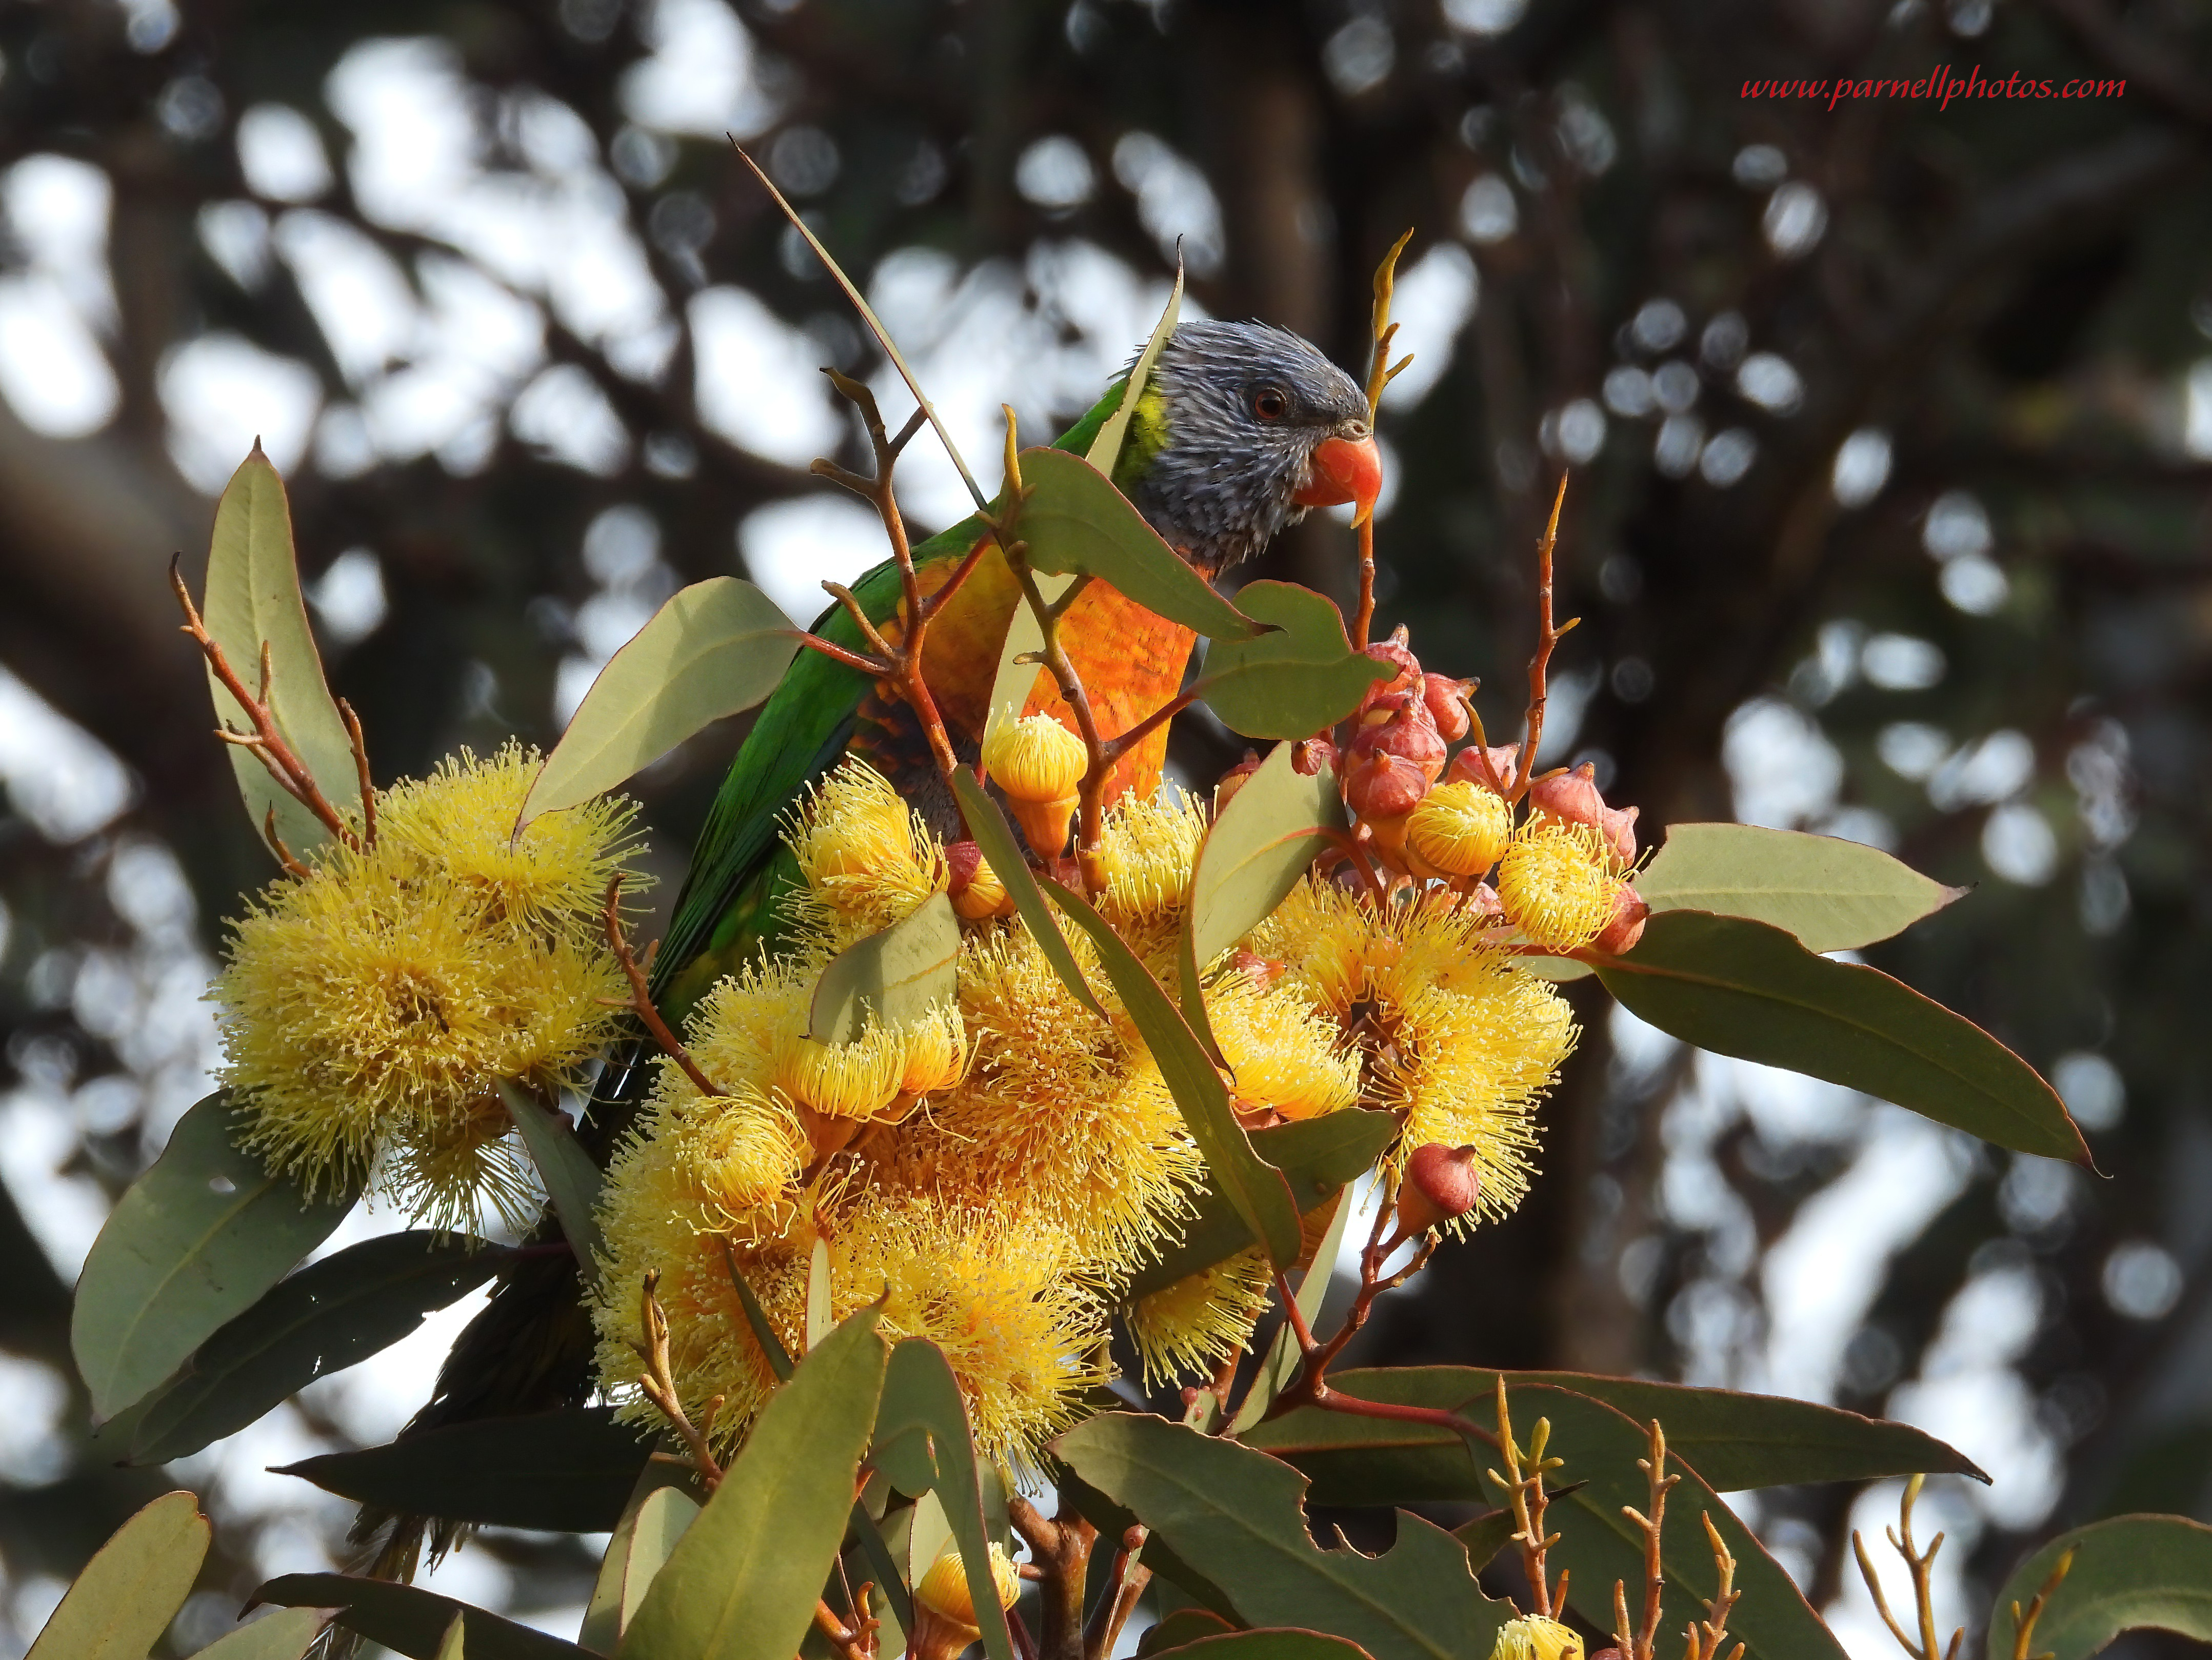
x,y
1275,1644
413,1621
286,1634
714,649
1076,523
2129,1573
1740,988
1234,1516
1284,1358
571,1470
1834,895
744,1580
453,1646
196,1239
331,1315
1252,1185
641,1547
1105,452
779,1358
1485,1536
132,1588
252,597
571,1178
988,826
1183,1627
1316,1157
1735,1440
921,1394
895,977
1258,849
1295,682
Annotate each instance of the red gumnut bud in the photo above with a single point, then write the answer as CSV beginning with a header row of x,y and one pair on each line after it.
x,y
1310,755
1382,787
1573,796
1447,701
1233,780
1625,927
972,885
1492,768
1441,1185
1399,724
1394,652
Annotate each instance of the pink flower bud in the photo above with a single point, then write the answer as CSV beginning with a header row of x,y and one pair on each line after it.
x,y
1447,701
1396,652
1441,1185
1492,768
1625,927
1397,723
1382,787
1233,780
1573,797
1311,755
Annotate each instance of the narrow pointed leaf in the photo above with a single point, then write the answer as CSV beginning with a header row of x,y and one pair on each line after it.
x,y
2129,1573
641,1547
1834,895
331,1315
286,1634
1315,1157
1283,1359
412,1622
196,1239
454,1644
988,826
132,1588
779,1358
571,1470
1105,452
920,1394
819,1321
893,976
1259,847
1076,523
1293,682
1735,1440
1256,1189
744,1580
571,1180
1745,989
714,649
252,597
1234,1514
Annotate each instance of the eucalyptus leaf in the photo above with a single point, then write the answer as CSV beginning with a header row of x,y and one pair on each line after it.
x,y
1105,452
453,1646
253,598
1235,1517
894,976
1315,1157
569,1470
640,1548
1183,1627
818,1321
712,650
1734,1440
1258,849
1485,1536
1834,895
132,1588
1283,1359
412,1622
331,1314
744,1579
196,1239
988,824
571,1178
1076,523
1295,682
779,1358
1275,1643
1262,1198
1745,989
287,1634
2129,1573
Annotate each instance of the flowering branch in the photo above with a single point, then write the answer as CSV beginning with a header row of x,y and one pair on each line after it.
x,y
640,997
1547,637
1380,373
1639,1647
268,742
1921,1565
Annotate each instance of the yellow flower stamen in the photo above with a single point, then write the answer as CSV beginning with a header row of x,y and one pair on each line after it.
x,y
1556,883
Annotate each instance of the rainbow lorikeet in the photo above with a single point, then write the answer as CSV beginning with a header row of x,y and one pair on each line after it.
x,y
1240,428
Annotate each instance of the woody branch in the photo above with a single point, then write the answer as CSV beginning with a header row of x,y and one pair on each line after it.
x,y
1547,638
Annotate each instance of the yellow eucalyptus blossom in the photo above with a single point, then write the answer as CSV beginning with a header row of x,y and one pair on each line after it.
x,y
1532,1636
936,1052
1460,828
736,1030
1039,764
1556,881
857,1080
1284,1054
1327,941
1185,1329
868,860
460,821
1148,849
745,1152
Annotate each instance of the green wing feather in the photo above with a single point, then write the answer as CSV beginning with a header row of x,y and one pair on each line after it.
x,y
740,865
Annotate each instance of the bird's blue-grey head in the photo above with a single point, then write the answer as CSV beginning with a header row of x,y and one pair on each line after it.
x,y
1240,428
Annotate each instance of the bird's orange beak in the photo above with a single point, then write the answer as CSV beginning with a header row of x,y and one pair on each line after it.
x,y
1345,470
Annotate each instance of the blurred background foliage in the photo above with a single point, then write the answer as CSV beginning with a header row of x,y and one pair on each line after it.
x,y
1890,427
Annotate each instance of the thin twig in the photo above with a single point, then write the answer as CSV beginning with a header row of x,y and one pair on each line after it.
x,y
267,740
1380,373
1919,1563
1640,1645
1547,638
1524,1482
659,1384
2023,1624
1062,1550
1705,1639
641,996
1124,1585
360,772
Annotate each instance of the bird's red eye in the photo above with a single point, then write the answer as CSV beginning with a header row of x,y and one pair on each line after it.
x,y
1269,404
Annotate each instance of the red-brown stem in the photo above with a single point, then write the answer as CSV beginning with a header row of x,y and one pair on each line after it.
x,y
1547,637
360,772
1063,1549
852,659
266,740
284,856
1363,622
843,1638
1124,1585
642,996
659,1384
